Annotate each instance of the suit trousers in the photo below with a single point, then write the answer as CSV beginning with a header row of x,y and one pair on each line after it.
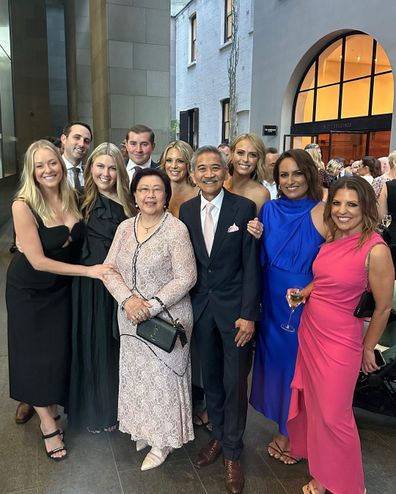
x,y
225,370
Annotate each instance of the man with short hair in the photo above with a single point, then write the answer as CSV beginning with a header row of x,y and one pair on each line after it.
x,y
225,148
140,144
226,302
270,159
76,140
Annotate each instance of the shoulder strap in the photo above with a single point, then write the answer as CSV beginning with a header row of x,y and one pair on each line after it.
x,y
368,262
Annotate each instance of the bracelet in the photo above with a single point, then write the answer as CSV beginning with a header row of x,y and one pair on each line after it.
x,y
125,301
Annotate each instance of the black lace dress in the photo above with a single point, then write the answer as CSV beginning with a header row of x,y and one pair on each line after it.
x,y
39,321
93,397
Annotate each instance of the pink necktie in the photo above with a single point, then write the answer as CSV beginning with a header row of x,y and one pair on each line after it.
x,y
208,227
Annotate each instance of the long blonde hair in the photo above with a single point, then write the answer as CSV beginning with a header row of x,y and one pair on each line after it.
x,y
122,184
259,174
186,152
30,191
316,156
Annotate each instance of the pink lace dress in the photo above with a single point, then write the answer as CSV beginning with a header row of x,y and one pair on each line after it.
x,y
155,387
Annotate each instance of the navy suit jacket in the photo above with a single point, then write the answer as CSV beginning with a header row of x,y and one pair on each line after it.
x,y
228,279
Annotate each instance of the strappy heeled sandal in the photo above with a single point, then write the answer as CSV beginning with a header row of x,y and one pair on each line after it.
x,y
56,450
277,449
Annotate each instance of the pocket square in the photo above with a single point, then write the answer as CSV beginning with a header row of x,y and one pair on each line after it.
x,y
232,228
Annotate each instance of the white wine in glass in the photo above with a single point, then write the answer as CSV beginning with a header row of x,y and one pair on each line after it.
x,y
295,299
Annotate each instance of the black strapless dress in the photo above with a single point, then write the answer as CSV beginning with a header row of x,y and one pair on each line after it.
x,y
39,321
93,395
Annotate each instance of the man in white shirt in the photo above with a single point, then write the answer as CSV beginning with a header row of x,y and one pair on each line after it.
x,y
140,145
76,140
270,159
225,302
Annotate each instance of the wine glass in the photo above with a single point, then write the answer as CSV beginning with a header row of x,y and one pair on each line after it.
x,y
295,299
386,221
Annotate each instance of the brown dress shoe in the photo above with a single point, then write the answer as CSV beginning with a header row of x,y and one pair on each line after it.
x,y
24,412
234,477
208,454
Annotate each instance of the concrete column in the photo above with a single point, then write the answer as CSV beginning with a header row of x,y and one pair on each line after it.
x,y
30,72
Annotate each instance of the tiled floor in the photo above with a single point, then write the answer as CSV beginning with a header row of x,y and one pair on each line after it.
x,y
109,464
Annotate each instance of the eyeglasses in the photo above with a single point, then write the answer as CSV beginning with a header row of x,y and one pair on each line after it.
x,y
148,190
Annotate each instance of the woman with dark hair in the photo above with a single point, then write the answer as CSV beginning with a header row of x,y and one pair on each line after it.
x,y
93,393
247,169
369,169
155,265
332,348
293,232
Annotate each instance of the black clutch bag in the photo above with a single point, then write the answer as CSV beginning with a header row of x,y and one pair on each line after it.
x,y
366,304
161,333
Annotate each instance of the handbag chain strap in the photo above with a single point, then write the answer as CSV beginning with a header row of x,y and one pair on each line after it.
x,y
368,263
175,322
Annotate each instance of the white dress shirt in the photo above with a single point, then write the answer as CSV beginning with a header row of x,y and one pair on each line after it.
x,y
217,202
70,171
131,168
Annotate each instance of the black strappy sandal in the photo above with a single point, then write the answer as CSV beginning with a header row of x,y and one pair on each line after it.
x,y
56,450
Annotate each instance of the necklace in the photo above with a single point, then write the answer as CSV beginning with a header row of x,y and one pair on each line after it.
x,y
148,228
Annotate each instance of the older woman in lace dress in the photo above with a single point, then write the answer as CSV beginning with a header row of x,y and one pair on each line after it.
x,y
154,259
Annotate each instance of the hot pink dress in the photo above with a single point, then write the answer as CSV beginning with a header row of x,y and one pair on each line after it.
x,y
321,424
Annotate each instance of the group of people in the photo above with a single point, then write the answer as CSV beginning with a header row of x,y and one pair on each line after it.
x,y
199,238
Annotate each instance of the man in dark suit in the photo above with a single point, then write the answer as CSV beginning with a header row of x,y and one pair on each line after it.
x,y
140,144
226,302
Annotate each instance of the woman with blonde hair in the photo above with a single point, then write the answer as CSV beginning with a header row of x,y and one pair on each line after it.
x,y
175,161
48,228
95,337
247,169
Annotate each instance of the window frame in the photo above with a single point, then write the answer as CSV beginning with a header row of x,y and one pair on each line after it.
x,y
224,104
193,38
315,63
228,31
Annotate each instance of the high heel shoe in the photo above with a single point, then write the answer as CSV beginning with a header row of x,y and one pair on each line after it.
x,y
141,444
155,458
55,450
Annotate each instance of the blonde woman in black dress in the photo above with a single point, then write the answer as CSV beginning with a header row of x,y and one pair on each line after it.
x,y
47,226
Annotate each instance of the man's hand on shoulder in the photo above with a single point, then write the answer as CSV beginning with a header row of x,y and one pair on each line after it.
x,y
245,331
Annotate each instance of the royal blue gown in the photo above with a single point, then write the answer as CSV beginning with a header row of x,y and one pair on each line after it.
x,y
289,245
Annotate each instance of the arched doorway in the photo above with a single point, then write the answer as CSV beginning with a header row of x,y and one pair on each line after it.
x,y
344,101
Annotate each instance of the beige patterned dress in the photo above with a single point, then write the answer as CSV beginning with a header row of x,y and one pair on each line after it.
x,y
155,386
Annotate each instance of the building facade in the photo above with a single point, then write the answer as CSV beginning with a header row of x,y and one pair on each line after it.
x,y
308,71
203,45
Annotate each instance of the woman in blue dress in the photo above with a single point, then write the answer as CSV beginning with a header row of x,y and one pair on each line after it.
x,y
293,232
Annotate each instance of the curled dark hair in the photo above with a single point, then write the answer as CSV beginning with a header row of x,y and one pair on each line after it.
x,y
367,204
305,164
155,172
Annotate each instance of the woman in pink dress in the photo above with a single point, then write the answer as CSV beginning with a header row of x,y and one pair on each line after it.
x,y
332,348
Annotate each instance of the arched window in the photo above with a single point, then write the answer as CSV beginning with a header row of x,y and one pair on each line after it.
x,y
347,89
351,78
